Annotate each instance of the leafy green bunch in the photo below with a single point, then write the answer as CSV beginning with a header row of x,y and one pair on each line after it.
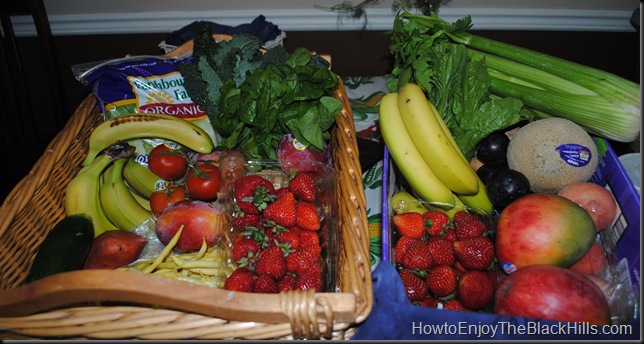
x,y
253,96
457,84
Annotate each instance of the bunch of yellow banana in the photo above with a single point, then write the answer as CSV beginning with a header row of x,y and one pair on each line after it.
x,y
113,189
425,152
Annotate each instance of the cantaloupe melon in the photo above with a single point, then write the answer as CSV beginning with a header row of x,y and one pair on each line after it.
x,y
553,153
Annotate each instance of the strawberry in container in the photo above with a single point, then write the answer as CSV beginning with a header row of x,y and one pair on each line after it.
x,y
283,234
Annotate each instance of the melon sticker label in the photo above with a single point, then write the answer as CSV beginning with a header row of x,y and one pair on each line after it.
x,y
574,155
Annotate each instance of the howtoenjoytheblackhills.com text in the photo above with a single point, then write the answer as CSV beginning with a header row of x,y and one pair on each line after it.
x,y
531,328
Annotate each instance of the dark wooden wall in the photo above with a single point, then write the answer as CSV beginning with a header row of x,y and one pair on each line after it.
x,y
354,53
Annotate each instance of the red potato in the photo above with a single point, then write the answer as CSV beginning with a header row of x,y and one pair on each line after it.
x,y
114,249
597,201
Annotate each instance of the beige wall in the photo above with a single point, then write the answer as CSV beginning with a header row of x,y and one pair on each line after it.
x,y
118,6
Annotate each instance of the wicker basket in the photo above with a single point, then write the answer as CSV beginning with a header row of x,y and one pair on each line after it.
x,y
151,307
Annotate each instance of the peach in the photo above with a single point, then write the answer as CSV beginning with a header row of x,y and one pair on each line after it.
x,y
596,199
201,221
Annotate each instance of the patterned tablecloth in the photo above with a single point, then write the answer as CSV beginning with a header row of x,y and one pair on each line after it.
x,y
364,94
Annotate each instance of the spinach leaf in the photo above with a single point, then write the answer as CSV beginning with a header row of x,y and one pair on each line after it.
x,y
253,98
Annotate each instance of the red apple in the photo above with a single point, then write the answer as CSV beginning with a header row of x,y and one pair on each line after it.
x,y
593,262
201,221
597,201
552,293
542,229
290,149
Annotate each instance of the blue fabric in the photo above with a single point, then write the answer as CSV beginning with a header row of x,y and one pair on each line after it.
x,y
259,27
394,318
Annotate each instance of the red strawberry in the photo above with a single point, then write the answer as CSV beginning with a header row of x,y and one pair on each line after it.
x,y
401,247
286,283
417,257
476,253
468,225
309,279
252,193
307,216
290,237
241,279
429,301
436,221
415,287
280,192
454,305
449,234
309,238
301,260
442,250
441,280
265,284
410,224
272,262
282,210
303,186
244,248
475,290
242,220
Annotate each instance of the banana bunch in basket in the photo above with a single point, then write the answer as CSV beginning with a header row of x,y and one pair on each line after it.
x,y
425,152
104,189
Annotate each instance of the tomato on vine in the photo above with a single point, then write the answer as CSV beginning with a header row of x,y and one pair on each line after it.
x,y
161,199
203,181
168,163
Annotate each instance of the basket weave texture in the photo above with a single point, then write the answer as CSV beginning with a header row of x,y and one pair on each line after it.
x,y
36,204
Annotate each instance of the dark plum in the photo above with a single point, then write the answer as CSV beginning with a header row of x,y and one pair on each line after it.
x,y
486,171
505,186
493,148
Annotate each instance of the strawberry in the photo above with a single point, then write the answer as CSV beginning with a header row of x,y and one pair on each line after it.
x,y
441,280
301,260
265,284
468,225
415,287
442,250
282,210
435,221
290,237
309,238
410,224
454,305
241,279
476,253
286,283
244,248
280,192
272,262
310,279
303,186
242,220
429,301
449,234
252,193
401,247
307,216
417,257
475,290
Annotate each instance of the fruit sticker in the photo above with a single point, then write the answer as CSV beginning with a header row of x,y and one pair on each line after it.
x,y
574,154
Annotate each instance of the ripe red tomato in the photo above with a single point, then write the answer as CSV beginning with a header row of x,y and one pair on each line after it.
x,y
161,199
168,163
203,182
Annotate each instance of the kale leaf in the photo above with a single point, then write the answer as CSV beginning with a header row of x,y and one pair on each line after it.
x,y
254,97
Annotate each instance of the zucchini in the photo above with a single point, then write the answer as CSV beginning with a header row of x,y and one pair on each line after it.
x,y
64,249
